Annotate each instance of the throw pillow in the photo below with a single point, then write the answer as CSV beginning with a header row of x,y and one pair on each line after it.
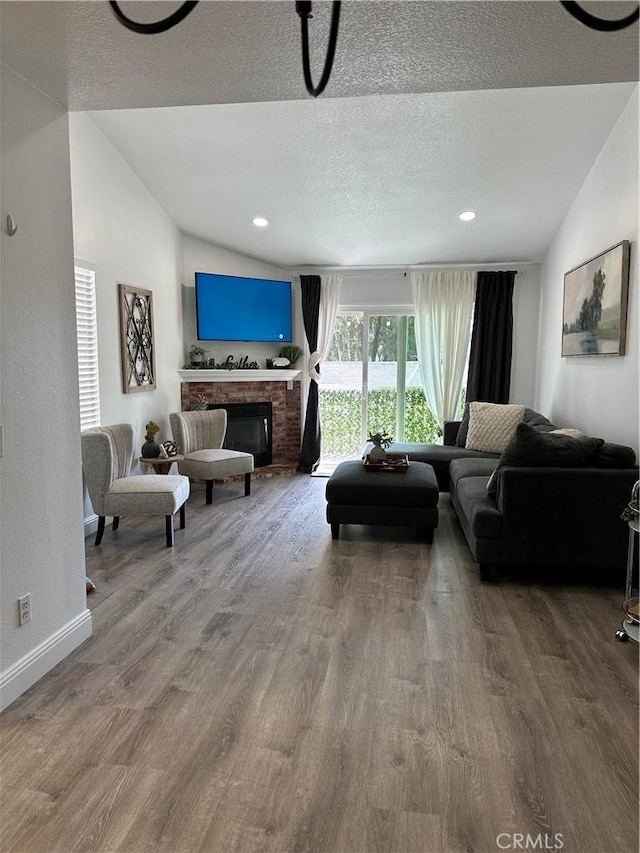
x,y
532,448
492,425
530,416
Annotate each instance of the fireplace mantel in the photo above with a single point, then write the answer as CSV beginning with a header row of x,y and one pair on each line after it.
x,y
286,375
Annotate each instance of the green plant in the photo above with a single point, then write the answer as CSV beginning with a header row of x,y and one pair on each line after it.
x,y
382,439
152,429
196,353
292,352
201,404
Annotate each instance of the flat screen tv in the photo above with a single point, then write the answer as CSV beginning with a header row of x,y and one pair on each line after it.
x,y
233,308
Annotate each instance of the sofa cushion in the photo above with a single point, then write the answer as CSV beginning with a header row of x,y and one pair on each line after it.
x,y
483,516
470,467
492,425
532,448
439,456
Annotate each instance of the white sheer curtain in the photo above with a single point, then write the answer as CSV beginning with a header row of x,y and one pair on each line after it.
x,y
329,293
443,303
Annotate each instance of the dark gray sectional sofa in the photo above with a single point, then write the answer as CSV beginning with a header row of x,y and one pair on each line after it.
x,y
564,517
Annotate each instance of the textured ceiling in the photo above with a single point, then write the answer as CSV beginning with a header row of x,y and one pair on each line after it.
x,y
376,180
432,107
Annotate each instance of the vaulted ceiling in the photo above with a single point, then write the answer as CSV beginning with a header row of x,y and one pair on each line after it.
x,y
432,107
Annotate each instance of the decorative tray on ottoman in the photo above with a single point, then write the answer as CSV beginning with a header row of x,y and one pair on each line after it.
x,y
396,462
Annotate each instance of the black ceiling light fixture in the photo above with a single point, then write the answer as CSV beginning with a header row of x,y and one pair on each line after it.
x,y
304,12
603,24
158,26
302,8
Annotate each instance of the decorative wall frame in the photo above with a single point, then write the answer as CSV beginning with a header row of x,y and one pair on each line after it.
x,y
137,348
594,316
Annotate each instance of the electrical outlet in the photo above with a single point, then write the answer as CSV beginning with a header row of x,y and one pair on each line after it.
x,y
24,609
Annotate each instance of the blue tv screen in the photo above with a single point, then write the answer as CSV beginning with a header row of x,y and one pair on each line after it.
x,y
233,308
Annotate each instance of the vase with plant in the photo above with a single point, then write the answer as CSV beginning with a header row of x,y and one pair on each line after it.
x,y
292,353
196,356
380,440
151,448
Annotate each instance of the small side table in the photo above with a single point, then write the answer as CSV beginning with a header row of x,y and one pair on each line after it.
x,y
161,464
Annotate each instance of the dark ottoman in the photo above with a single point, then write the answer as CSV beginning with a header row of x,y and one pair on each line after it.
x,y
399,499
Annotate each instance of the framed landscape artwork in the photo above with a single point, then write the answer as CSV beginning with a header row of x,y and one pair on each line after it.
x,y
137,349
594,317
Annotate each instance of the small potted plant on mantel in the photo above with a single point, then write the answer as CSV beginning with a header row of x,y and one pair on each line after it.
x,y
292,353
380,440
196,356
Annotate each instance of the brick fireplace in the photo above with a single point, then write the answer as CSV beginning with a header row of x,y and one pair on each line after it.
x,y
285,402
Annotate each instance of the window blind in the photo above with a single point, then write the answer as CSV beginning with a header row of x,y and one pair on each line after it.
x,y
87,339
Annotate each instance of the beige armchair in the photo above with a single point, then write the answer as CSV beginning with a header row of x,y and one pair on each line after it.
x,y
107,454
200,436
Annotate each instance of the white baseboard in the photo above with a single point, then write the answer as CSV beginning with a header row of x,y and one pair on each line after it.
x,y
19,677
90,525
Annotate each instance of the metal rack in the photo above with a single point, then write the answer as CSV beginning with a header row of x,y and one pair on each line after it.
x,y
630,626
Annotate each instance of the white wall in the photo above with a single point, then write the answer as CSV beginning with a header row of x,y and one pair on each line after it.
x,y
378,290
596,394
41,531
128,238
200,256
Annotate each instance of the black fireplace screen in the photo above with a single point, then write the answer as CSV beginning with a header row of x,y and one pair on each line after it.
x,y
249,429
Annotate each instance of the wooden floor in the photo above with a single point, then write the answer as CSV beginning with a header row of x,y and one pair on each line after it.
x,y
260,687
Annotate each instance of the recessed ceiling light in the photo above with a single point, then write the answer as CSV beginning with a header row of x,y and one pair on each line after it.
x,y
467,215
260,222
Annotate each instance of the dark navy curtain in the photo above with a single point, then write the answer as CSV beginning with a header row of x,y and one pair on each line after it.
x,y
310,456
489,377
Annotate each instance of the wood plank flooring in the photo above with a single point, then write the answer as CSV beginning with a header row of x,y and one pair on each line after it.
x,y
260,687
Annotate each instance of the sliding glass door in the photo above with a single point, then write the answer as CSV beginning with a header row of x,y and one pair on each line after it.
x,y
341,395
380,392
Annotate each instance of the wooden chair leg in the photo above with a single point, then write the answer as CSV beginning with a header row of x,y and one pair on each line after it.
x,y
169,526
183,517
116,522
100,530
247,484
209,497
335,531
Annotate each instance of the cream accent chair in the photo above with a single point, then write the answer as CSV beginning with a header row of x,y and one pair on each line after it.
x,y
107,454
200,436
